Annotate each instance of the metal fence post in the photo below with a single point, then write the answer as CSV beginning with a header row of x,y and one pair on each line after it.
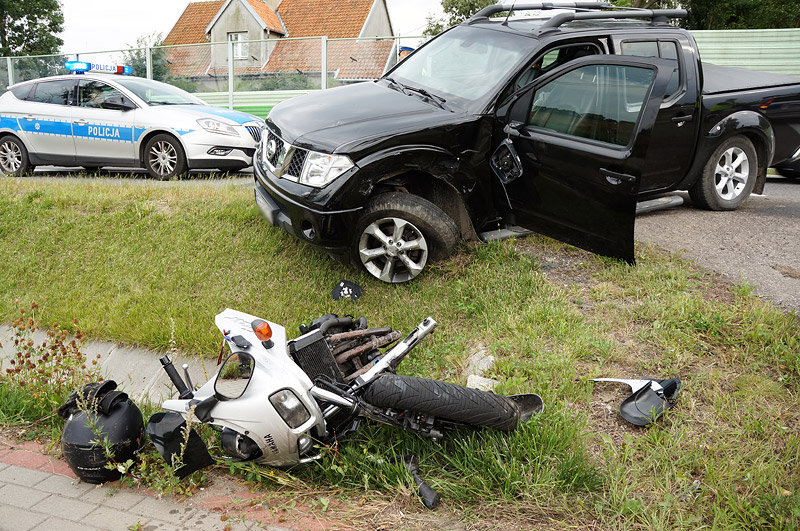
x,y
149,58
10,66
324,63
230,74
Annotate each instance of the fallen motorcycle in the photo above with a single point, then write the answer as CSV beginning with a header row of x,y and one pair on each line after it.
x,y
278,402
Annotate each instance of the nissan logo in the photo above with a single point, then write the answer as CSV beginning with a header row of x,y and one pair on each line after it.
x,y
272,148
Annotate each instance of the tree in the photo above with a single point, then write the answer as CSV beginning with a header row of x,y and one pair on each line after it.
x,y
30,27
136,57
742,14
456,12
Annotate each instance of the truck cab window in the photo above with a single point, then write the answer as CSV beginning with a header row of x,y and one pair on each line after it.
x,y
554,58
662,49
595,102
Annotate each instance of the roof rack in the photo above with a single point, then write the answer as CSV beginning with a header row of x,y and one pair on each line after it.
x,y
658,16
525,6
584,10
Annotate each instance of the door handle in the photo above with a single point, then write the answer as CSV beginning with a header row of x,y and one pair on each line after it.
x,y
29,117
616,178
680,120
80,121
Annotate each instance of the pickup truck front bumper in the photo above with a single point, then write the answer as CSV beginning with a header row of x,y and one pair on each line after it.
x,y
329,230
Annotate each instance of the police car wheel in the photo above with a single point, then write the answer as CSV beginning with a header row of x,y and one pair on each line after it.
x,y
164,157
14,157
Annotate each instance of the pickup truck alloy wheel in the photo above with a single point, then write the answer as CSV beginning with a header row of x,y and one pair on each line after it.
x,y
164,157
13,156
731,173
399,234
728,176
392,249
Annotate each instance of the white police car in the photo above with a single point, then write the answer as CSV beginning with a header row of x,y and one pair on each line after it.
x,y
94,119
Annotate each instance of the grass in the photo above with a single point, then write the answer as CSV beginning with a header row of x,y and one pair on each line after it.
x,y
124,257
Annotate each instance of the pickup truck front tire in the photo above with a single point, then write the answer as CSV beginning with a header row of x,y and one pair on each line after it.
x,y
399,234
728,177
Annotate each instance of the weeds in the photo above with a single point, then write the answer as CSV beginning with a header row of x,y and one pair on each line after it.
x,y
40,375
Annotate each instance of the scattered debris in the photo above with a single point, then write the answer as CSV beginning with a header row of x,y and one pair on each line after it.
x,y
649,398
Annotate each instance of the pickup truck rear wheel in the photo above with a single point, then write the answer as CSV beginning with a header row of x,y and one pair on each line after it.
x,y
728,176
399,234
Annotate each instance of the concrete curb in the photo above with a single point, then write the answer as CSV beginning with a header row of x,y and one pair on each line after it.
x,y
137,371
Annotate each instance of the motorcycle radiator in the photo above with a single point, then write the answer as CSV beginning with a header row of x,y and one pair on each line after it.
x,y
312,353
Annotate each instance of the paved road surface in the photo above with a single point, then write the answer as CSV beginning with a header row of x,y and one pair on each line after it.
x,y
758,244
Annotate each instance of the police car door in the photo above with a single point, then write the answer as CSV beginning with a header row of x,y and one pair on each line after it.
x,y
103,130
45,122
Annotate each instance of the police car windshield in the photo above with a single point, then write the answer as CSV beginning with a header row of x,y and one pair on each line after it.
x,y
157,93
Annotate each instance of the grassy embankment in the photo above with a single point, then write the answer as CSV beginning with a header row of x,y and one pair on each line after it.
x,y
124,257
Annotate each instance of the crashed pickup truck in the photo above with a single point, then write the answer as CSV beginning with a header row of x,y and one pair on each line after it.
x,y
557,125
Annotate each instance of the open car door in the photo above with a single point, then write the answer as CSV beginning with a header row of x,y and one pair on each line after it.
x,y
575,150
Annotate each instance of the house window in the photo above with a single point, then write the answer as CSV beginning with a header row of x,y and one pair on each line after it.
x,y
239,45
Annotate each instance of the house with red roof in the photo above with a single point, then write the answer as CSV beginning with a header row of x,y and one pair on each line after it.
x,y
281,28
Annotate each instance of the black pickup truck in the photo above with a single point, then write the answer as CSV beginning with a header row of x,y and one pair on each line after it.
x,y
557,125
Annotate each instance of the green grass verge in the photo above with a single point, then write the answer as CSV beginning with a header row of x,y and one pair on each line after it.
x,y
125,257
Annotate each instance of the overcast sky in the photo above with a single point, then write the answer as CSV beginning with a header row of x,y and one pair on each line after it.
x,y
90,25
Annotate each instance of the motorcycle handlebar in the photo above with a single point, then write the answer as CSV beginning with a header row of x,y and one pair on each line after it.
x,y
183,391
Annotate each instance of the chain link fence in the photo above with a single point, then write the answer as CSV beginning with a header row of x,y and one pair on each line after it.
x,y
247,75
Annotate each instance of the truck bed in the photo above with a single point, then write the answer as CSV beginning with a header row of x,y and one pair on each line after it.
x,y
720,79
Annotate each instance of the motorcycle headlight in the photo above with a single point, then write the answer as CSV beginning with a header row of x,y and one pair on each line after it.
x,y
215,126
289,407
321,168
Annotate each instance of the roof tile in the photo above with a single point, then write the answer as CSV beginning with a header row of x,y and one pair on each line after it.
x,y
191,26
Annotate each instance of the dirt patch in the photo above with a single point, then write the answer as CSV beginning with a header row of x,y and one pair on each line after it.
x,y
787,271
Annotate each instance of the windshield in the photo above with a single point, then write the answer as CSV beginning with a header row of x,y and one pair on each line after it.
x,y
465,62
157,93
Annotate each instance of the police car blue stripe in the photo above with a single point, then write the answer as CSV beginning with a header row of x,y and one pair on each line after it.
x,y
46,127
111,132
7,122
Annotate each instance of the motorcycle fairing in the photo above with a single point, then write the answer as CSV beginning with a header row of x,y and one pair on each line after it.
x,y
167,431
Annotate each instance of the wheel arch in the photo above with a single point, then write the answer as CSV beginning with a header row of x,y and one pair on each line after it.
x,y
749,124
426,171
7,132
145,138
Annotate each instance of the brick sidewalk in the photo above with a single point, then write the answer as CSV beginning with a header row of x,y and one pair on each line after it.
x,y
38,492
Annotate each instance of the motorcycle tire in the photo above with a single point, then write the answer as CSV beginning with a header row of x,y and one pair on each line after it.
x,y
443,400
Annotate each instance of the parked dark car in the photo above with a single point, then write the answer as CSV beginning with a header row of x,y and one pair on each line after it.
x,y
554,125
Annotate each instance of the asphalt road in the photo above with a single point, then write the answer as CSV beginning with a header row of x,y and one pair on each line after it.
x,y
759,243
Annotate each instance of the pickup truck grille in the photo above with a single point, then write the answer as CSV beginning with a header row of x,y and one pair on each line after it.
x,y
295,167
283,159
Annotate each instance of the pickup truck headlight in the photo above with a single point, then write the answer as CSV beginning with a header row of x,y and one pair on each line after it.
x,y
321,168
215,126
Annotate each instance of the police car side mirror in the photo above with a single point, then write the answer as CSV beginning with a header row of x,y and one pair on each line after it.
x,y
118,103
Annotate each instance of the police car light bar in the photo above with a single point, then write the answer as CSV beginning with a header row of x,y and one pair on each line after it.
x,y
80,67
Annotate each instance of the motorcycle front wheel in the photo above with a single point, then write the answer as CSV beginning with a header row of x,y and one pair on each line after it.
x,y
443,400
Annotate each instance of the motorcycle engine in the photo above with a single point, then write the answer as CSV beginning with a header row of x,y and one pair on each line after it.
x,y
237,445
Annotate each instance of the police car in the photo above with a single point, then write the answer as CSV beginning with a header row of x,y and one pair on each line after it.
x,y
93,119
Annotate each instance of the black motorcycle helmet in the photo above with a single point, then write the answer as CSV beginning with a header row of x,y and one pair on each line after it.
x,y
99,413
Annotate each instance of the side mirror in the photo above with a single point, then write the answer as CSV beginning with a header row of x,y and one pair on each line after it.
x,y
234,376
118,103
